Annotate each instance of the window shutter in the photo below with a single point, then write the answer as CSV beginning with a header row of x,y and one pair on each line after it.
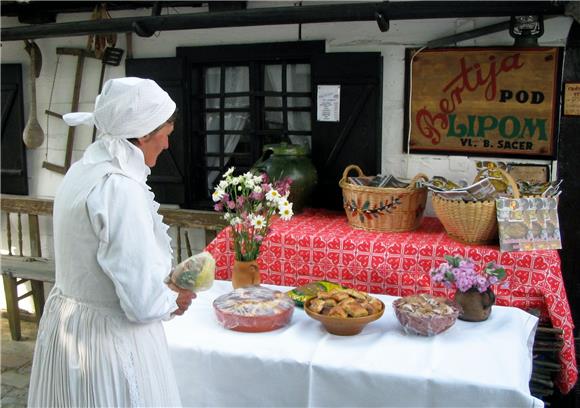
x,y
356,137
169,176
14,175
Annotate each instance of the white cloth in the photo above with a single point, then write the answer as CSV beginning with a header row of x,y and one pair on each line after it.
x,y
126,108
100,340
485,364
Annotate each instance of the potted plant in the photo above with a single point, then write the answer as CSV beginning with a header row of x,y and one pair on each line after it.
x,y
249,202
473,289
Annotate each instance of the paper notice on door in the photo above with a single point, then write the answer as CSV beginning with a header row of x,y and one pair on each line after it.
x,y
328,103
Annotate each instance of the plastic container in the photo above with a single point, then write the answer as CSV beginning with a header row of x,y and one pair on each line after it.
x,y
425,314
253,309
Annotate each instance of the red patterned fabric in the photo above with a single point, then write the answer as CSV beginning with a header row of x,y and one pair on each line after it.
x,y
320,244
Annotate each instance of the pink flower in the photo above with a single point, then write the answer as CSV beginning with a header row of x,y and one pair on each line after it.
x,y
283,185
257,196
231,204
461,273
218,207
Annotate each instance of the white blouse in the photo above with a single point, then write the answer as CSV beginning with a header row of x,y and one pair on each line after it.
x,y
100,340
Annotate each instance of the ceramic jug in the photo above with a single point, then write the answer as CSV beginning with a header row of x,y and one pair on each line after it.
x,y
288,160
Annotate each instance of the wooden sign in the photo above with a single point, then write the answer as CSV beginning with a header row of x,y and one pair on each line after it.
x,y
572,99
483,101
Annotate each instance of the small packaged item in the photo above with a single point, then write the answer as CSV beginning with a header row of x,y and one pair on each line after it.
x,y
547,189
439,183
253,309
491,170
196,273
300,294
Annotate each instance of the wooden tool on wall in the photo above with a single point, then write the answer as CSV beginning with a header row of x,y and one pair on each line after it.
x,y
111,56
98,47
33,135
81,54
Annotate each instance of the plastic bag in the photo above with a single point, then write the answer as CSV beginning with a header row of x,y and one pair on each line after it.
x,y
253,309
300,294
196,273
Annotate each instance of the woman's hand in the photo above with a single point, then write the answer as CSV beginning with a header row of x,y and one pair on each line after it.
x,y
184,299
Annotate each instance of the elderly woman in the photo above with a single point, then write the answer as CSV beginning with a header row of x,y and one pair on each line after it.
x,y
101,341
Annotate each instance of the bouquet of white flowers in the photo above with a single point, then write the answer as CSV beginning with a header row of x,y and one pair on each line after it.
x,y
249,202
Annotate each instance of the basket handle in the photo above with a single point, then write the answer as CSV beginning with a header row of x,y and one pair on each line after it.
x,y
414,180
508,177
352,167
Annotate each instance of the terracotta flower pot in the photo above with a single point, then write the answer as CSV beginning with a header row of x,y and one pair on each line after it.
x,y
476,306
245,273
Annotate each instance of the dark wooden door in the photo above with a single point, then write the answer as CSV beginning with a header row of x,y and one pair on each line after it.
x,y
569,172
14,175
170,174
356,137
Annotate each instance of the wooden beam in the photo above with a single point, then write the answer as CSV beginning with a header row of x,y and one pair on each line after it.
x,y
320,13
25,204
207,220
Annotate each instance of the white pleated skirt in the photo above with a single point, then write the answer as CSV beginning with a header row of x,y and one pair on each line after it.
x,y
92,356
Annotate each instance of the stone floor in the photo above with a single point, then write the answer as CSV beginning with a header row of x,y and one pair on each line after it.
x,y
16,361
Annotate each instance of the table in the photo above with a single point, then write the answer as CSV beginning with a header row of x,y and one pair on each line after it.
x,y
302,365
319,244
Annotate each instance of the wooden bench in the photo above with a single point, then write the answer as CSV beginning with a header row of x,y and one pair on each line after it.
x,y
19,268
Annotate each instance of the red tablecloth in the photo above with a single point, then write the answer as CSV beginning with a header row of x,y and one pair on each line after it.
x,y
320,244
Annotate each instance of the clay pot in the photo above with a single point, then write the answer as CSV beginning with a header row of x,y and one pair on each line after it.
x,y
245,273
287,160
476,306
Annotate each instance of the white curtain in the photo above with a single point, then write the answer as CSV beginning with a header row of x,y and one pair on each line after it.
x,y
298,80
237,79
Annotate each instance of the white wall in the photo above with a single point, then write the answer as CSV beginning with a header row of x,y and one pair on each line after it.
x,y
339,37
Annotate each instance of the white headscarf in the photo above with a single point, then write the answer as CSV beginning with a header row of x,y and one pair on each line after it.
x,y
126,108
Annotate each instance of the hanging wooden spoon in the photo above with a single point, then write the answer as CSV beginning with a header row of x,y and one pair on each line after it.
x,y
33,134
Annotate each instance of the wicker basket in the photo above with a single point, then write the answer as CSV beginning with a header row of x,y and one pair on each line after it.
x,y
383,209
471,222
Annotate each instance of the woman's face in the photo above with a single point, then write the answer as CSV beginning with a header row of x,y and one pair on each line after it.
x,y
154,143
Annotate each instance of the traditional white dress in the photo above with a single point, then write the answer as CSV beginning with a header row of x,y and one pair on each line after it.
x,y
100,340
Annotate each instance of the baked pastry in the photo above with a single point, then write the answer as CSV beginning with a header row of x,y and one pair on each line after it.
x,y
345,303
425,314
254,309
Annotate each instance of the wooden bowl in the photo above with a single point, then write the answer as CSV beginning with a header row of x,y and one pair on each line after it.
x,y
343,326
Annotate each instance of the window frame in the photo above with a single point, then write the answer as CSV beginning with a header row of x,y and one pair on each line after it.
x,y
255,56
